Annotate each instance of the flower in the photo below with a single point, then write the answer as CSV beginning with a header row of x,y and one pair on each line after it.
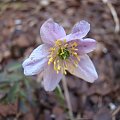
x,y
61,53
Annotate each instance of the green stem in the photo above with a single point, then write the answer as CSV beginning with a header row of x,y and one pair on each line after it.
x,y
67,97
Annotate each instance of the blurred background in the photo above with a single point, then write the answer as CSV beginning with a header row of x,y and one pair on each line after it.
x,y
23,98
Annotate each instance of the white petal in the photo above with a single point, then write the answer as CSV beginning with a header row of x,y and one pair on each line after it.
x,y
51,31
51,78
85,69
36,61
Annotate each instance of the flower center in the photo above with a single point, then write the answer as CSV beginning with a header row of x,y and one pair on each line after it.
x,y
62,54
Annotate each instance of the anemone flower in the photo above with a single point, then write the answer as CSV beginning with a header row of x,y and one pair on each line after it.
x,y
61,53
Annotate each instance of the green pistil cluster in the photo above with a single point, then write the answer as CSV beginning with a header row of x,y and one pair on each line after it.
x,y
63,53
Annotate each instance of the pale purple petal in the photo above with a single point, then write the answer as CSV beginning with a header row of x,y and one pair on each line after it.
x,y
85,45
81,29
51,31
85,69
51,78
36,61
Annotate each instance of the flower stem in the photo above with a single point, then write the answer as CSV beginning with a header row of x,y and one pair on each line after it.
x,y
67,97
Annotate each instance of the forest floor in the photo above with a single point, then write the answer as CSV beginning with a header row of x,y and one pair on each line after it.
x,y
20,21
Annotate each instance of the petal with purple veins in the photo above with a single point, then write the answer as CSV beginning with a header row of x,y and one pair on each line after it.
x,y
36,61
86,45
81,29
85,69
51,31
51,78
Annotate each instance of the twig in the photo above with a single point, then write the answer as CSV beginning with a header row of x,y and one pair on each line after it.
x,y
114,14
67,97
115,112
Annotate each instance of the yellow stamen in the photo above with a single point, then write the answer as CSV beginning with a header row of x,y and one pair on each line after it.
x,y
60,56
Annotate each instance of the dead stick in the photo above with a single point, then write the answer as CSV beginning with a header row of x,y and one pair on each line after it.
x,y
114,14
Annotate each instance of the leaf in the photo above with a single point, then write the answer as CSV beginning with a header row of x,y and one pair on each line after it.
x,y
13,66
29,92
59,94
13,93
23,106
8,78
22,94
2,76
14,77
